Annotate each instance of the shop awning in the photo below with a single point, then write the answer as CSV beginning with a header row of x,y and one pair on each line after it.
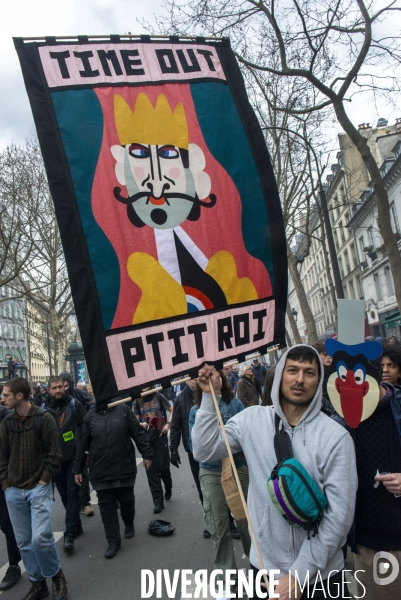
x,y
393,322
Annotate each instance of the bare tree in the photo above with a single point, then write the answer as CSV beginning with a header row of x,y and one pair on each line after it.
x,y
289,139
43,280
21,191
336,49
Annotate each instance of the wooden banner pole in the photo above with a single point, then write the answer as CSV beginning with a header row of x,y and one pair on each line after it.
x,y
118,402
238,482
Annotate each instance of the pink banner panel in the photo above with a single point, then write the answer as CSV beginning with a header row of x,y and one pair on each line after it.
x,y
157,351
92,64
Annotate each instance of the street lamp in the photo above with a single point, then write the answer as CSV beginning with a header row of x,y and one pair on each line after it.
x,y
327,225
76,357
295,314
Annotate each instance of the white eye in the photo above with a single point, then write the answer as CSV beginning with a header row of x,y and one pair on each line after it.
x,y
359,376
342,372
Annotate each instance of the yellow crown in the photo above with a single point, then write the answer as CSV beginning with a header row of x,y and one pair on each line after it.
x,y
153,126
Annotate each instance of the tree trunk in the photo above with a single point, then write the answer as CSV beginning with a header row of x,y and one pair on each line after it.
x,y
288,339
293,325
303,301
383,208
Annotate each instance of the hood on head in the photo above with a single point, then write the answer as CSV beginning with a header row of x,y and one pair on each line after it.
x,y
316,403
67,375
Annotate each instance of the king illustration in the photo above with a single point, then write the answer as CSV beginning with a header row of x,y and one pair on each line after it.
x,y
165,178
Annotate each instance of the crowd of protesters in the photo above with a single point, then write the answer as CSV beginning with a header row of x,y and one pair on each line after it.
x,y
58,434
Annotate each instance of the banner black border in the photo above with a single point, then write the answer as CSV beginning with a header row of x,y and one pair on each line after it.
x,y
87,306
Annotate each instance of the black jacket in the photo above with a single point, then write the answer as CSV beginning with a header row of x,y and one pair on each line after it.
x,y
70,416
259,373
179,423
3,412
107,435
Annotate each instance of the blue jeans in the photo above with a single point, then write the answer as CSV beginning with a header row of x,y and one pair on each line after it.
x,y
69,494
31,516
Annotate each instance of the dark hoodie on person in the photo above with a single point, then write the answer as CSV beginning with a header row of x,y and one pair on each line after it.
x,y
83,397
179,423
70,415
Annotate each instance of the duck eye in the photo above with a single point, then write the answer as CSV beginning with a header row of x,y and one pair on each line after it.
x,y
342,372
359,376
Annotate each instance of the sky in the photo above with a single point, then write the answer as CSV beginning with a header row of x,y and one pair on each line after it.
x,y
72,17
50,17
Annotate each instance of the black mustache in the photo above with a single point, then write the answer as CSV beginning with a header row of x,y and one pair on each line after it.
x,y
195,200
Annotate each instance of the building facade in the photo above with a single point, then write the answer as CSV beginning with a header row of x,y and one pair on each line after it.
x,y
349,198
377,281
40,344
13,336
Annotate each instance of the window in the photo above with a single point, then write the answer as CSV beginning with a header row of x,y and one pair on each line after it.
x,y
345,291
371,237
340,264
361,248
394,218
1,352
353,254
359,289
377,286
342,232
346,258
389,281
351,288
336,239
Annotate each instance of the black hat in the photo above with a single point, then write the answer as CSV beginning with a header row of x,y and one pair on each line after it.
x,y
160,527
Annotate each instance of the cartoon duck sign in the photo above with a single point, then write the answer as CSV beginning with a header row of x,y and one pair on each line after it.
x,y
353,381
166,203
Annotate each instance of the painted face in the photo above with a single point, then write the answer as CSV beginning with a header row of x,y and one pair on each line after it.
x,y
162,191
390,371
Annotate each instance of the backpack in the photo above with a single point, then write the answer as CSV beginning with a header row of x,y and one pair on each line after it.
x,y
37,422
292,490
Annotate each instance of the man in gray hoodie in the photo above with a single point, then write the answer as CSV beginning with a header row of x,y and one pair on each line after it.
x,y
323,447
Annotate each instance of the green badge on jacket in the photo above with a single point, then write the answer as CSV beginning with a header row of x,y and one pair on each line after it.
x,y
68,435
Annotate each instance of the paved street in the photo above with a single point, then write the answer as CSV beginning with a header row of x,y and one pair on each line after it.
x,y
91,577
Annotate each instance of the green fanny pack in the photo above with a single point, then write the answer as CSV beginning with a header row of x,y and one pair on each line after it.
x,y
292,490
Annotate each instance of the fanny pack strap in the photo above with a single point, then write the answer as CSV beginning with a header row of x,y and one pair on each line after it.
x,y
282,442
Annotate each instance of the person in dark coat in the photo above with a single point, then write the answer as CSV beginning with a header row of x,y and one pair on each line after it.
x,y
13,573
180,429
70,415
152,412
87,401
248,388
39,396
259,371
327,406
107,435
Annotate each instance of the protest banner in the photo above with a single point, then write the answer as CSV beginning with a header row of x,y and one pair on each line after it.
x,y
166,202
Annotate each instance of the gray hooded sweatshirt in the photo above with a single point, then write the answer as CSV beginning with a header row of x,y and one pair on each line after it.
x,y
324,448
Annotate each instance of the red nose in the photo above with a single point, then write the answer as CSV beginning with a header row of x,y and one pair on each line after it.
x,y
351,397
